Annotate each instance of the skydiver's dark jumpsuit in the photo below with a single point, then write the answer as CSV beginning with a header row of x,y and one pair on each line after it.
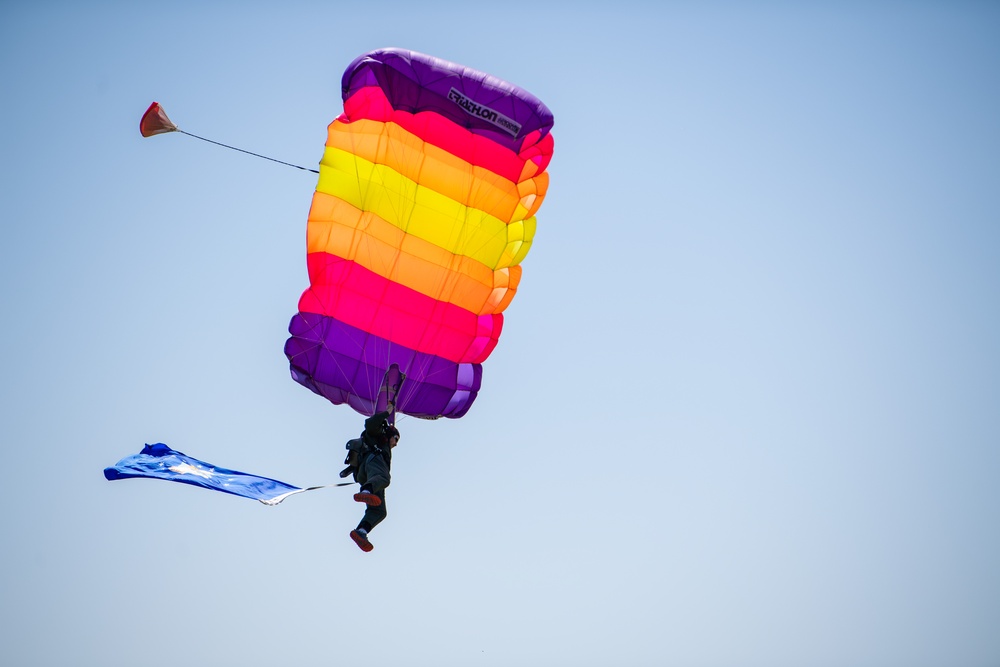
x,y
373,470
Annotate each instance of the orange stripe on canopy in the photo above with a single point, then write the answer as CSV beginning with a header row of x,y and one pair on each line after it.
x,y
338,228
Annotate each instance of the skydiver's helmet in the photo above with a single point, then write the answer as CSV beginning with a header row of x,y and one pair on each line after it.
x,y
388,431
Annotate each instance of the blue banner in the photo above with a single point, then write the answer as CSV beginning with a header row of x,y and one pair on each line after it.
x,y
160,462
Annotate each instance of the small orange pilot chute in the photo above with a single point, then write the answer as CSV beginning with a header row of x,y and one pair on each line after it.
x,y
155,121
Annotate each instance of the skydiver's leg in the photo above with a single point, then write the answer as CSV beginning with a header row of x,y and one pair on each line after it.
x,y
373,475
376,475
374,479
374,515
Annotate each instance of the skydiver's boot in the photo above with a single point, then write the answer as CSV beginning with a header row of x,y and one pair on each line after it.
x,y
360,537
368,498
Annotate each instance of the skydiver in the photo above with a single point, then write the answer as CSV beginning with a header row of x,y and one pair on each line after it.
x,y
372,473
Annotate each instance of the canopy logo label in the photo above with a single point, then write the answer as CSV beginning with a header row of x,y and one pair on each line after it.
x,y
509,126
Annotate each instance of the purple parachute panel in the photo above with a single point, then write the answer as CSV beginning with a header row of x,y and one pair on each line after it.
x,y
352,364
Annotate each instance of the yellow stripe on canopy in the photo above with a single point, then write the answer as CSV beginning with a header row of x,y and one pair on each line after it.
x,y
445,173
422,212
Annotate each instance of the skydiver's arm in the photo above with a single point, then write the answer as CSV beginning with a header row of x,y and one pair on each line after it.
x,y
373,425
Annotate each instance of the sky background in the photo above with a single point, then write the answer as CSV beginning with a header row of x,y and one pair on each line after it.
x,y
744,410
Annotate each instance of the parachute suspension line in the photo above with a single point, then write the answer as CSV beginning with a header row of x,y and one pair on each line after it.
x,y
388,364
340,368
372,379
395,202
380,262
217,143
362,354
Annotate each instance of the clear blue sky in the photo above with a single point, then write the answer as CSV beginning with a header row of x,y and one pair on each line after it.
x,y
744,410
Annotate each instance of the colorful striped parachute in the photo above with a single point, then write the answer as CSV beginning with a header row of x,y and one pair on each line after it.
x,y
424,209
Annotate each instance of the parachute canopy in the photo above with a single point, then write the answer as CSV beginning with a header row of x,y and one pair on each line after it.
x,y
424,210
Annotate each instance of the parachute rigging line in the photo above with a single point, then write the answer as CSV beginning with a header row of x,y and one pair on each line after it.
x,y
217,143
155,121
